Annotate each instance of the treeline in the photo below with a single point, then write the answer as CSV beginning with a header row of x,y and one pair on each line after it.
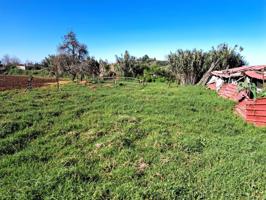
x,y
73,59
182,66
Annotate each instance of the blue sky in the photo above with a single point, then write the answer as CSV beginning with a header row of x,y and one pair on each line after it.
x,y
32,29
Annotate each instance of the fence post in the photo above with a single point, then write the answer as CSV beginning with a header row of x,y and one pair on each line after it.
x,y
57,81
29,82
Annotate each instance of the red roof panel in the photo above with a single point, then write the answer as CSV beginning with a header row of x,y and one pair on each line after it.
x,y
256,75
229,72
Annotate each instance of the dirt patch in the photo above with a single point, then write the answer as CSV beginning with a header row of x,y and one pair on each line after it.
x,y
63,82
20,82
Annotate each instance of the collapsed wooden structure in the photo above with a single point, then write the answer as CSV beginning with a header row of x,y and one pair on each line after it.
x,y
225,82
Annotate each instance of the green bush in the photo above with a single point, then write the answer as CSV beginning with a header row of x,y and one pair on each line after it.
x,y
155,73
16,71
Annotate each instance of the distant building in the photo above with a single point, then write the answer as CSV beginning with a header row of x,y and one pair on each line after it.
x,y
22,67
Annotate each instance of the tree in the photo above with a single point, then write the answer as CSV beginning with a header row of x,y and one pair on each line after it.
x,y
91,67
145,58
187,66
191,67
126,64
75,54
9,61
88,68
220,58
72,47
57,65
47,62
105,67
229,57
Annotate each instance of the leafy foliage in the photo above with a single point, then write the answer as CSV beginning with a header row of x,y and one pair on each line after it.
x,y
8,61
126,64
91,67
249,87
73,48
105,68
227,56
16,71
155,73
189,66
262,93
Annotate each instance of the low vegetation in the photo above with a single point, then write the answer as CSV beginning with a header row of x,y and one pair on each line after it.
x,y
41,72
186,67
126,141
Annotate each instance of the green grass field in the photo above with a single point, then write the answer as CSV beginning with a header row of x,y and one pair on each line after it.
x,y
127,142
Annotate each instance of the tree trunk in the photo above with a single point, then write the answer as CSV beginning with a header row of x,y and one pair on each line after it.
x,y
206,76
57,80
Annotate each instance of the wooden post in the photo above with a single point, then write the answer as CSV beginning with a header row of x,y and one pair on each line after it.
x,y
29,84
57,82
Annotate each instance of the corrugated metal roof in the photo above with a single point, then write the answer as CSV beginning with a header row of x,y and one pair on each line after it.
x,y
253,111
256,75
237,71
